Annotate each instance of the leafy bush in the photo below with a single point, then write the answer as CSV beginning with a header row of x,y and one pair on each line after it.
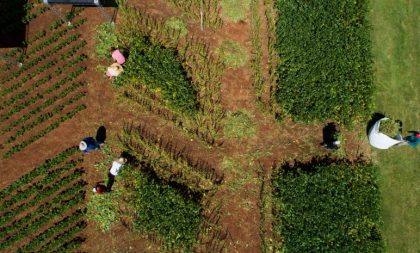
x,y
239,124
328,207
102,208
106,38
235,9
161,209
325,70
232,54
178,24
160,69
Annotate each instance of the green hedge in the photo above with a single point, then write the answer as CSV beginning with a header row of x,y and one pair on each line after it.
x,y
325,69
160,69
163,210
328,208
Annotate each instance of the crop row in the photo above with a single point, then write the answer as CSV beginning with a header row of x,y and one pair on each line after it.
x,y
68,17
47,234
47,192
165,164
53,51
27,178
41,210
40,69
46,103
65,241
44,117
38,96
23,195
48,214
43,132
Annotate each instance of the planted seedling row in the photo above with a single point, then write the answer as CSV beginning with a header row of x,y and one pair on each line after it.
x,y
47,103
44,117
27,178
43,132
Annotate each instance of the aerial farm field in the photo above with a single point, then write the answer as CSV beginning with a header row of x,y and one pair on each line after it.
x,y
223,111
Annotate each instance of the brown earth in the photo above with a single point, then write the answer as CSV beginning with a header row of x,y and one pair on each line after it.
x,y
273,142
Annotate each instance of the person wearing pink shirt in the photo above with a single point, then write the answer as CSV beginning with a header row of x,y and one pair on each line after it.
x,y
117,55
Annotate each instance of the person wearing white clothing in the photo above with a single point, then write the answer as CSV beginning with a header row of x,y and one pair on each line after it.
x,y
113,172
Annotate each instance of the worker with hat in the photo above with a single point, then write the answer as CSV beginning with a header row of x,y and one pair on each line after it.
x,y
413,139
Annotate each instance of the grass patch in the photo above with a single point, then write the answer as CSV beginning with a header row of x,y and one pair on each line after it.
x,y
178,24
327,207
102,209
232,54
239,124
235,10
396,57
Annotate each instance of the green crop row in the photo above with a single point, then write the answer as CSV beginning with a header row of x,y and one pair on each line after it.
x,y
64,241
49,214
43,132
325,72
27,178
38,96
23,195
68,16
41,210
330,206
44,117
47,191
51,231
25,93
46,103
53,51
71,63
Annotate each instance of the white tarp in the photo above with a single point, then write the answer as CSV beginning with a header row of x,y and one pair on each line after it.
x,y
380,140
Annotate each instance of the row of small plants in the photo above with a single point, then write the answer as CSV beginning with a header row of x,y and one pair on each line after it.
x,y
35,61
325,70
169,166
45,116
72,223
34,188
45,79
57,188
18,147
38,171
327,206
44,105
70,77
69,16
42,209
256,42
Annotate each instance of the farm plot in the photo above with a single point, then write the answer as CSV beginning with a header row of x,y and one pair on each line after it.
x,y
47,89
330,206
41,211
325,70
182,83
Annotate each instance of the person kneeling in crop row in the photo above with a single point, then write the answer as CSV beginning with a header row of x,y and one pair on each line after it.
x,y
114,70
117,55
89,144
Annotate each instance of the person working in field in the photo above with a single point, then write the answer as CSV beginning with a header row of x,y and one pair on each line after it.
x,y
413,139
89,144
114,70
113,172
117,55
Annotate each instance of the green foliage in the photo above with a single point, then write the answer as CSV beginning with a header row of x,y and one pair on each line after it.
x,y
178,24
232,54
239,124
161,209
102,208
106,38
325,69
236,10
389,127
328,207
160,69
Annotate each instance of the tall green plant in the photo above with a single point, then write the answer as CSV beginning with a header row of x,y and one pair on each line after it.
x,y
106,38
